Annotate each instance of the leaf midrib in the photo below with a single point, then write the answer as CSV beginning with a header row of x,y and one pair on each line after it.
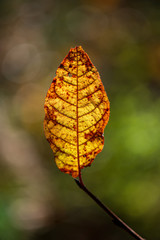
x,y
77,118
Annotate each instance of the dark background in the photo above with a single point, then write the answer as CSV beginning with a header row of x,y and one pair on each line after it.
x,y
122,38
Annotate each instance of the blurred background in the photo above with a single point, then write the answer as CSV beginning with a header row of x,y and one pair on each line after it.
x,y
122,38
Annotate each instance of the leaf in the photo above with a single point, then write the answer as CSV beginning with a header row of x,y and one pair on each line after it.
x,y
76,112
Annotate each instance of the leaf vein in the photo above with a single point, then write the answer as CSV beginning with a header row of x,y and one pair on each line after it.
x,y
59,149
96,106
64,99
61,138
93,124
63,113
98,89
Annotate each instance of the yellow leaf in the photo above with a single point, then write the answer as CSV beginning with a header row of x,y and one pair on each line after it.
x,y
76,112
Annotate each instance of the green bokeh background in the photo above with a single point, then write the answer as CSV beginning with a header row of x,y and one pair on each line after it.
x,y
122,38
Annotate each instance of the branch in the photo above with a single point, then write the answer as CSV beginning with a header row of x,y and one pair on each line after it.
x,y
116,220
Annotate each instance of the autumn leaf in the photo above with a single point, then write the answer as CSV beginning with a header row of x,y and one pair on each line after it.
x,y
76,112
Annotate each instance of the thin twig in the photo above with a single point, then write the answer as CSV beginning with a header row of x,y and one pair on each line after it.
x,y
114,217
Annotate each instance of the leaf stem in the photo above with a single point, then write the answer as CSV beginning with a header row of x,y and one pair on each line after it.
x,y
114,217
